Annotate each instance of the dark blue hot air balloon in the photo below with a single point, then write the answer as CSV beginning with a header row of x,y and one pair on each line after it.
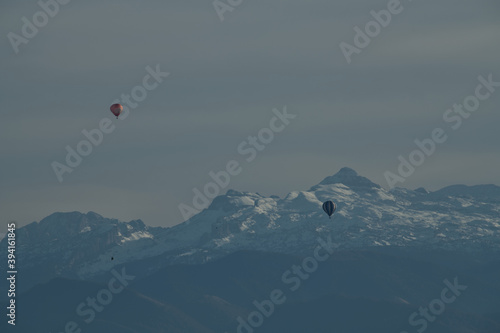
x,y
329,208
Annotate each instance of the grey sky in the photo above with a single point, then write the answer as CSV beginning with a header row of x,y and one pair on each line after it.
x,y
225,78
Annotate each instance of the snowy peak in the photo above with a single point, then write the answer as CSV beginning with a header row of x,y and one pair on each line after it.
x,y
65,226
422,190
234,200
487,193
71,239
348,177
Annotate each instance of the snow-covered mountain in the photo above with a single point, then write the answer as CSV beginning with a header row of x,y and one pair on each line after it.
x,y
459,217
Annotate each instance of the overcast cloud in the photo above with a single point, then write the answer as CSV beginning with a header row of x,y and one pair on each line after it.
x,y
225,79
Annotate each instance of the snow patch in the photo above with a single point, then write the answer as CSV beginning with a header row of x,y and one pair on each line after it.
x,y
86,229
136,236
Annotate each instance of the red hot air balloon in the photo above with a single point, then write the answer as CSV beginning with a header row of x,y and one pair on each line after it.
x,y
116,109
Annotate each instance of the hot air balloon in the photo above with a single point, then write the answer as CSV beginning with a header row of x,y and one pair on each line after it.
x,y
329,207
116,109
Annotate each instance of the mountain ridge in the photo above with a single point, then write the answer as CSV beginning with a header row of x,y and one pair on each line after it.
x,y
368,216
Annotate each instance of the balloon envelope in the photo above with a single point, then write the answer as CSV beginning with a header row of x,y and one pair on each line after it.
x,y
329,207
116,109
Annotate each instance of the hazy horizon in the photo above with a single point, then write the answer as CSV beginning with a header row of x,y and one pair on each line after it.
x,y
21,223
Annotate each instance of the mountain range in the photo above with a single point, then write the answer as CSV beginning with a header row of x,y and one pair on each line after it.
x,y
393,249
